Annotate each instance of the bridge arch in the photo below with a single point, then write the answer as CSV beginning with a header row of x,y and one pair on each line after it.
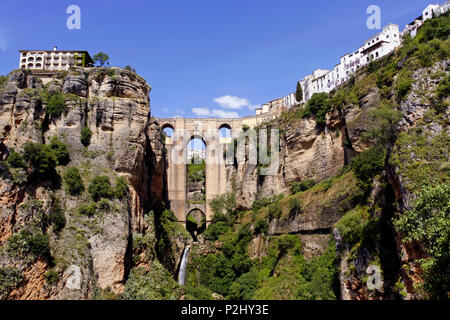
x,y
196,221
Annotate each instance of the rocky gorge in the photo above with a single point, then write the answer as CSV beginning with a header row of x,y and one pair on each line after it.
x,y
85,215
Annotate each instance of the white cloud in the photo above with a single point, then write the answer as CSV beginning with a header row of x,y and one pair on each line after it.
x,y
224,114
201,112
231,102
166,110
217,113
179,111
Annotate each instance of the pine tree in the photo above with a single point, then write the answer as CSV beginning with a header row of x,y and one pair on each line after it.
x,y
299,93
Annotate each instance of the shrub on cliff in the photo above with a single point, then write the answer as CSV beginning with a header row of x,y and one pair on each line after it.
x,y
297,187
56,216
261,227
274,211
367,165
428,223
87,209
15,160
121,187
73,181
319,105
85,137
9,278
3,81
56,104
60,150
100,187
295,205
41,159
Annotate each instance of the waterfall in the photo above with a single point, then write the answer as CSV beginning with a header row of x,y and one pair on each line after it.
x,y
183,266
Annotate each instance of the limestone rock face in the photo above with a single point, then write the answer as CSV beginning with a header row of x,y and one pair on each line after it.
x,y
306,152
76,84
125,141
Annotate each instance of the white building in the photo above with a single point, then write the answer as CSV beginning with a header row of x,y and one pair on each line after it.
x,y
313,83
290,101
377,47
431,11
53,60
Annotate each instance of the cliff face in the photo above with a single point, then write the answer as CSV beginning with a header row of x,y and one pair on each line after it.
x,y
125,142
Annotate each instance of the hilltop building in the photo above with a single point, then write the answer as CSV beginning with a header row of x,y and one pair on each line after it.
x,y
377,47
53,60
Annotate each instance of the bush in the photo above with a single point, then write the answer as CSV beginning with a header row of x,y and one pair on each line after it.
x,y
100,187
443,89
404,85
9,278
244,287
121,187
351,225
319,105
51,277
215,230
16,160
261,227
274,211
87,209
56,216
428,223
60,150
41,158
39,245
74,183
295,205
103,205
367,165
3,81
85,137
56,104
297,187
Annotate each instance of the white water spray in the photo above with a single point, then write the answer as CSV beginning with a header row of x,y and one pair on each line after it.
x,y
183,266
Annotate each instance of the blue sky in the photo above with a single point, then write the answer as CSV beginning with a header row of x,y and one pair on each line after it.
x,y
203,57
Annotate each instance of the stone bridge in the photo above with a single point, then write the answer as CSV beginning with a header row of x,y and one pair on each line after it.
x,y
184,130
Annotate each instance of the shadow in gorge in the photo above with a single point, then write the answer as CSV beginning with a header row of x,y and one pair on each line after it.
x,y
196,223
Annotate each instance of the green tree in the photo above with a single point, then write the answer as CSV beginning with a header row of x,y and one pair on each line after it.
x,y
15,159
3,81
60,150
295,205
100,187
73,181
274,211
56,104
299,93
56,215
319,105
101,59
86,135
121,187
367,165
41,158
428,222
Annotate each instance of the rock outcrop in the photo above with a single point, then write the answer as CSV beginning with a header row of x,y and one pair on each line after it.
x,y
114,104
